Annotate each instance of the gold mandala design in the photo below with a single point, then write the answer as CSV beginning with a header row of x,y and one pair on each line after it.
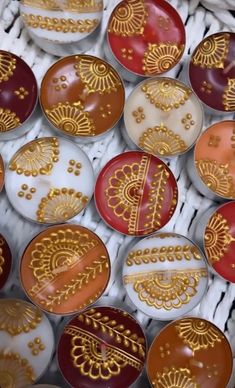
x,y
213,52
160,58
128,18
18,317
60,205
175,378
216,177
15,372
161,141
229,95
198,334
36,157
217,237
80,6
97,75
71,119
2,261
8,120
7,66
166,95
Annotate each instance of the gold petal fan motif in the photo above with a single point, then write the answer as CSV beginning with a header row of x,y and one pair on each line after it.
x,y
175,378
7,66
229,96
212,52
15,371
160,58
8,120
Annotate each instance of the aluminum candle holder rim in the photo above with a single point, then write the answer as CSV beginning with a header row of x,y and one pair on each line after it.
x,y
2,173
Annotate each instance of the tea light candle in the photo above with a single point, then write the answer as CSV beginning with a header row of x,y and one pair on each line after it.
x,y
62,27
26,343
102,347
187,353
2,173
163,116
18,97
82,97
212,71
211,167
136,193
65,268
5,261
165,275
49,180
144,38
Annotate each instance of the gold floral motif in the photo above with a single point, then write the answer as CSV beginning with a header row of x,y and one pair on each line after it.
x,y
164,23
175,378
166,95
214,141
36,346
198,334
188,121
71,119
97,75
127,53
8,120
60,25
79,6
206,87
36,157
60,83
60,205
217,237
27,192
229,95
166,289
74,167
161,57
212,52
118,332
18,317
128,19
165,350
15,371
2,261
161,141
216,177
21,93
106,111
7,66
139,114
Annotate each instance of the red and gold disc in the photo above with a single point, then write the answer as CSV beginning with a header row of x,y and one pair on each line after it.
x,y
2,173
5,261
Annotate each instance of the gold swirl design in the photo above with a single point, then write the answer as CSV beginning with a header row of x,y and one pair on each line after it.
x,y
128,18
160,58
198,334
175,378
7,66
79,6
2,261
166,95
15,371
217,237
212,52
18,316
60,205
71,120
216,177
229,96
8,120
36,158
161,141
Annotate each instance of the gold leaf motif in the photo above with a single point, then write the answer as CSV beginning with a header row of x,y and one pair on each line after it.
x,y
2,261
212,52
8,120
160,58
175,378
79,6
7,66
229,95
15,371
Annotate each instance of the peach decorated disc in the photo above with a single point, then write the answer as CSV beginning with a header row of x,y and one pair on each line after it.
x,y
2,173
65,268
5,261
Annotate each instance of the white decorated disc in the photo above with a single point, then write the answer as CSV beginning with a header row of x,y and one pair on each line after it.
x,y
165,275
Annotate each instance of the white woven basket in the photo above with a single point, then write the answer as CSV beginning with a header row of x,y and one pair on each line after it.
x,y
200,17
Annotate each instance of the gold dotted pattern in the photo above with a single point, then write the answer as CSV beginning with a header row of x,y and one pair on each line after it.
x,y
36,346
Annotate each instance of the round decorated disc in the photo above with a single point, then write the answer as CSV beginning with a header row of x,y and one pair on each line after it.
x,y
49,180
136,193
212,71
102,347
26,343
5,261
65,268
147,37
163,117
165,275
82,96
214,157
2,173
18,95
187,353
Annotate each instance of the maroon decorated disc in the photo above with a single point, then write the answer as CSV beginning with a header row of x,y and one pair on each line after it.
x,y
103,347
136,193
147,37
18,88
212,71
2,173
5,261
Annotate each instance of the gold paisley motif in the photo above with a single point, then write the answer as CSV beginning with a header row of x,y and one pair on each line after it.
x,y
36,157
8,120
128,19
160,58
229,96
212,52
60,205
166,95
79,6
18,316
175,378
15,372
7,66
161,141
216,177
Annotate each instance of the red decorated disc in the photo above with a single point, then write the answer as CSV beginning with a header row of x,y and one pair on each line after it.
x,y
146,36
2,173
136,193
5,261
103,347
18,95
219,241
212,71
